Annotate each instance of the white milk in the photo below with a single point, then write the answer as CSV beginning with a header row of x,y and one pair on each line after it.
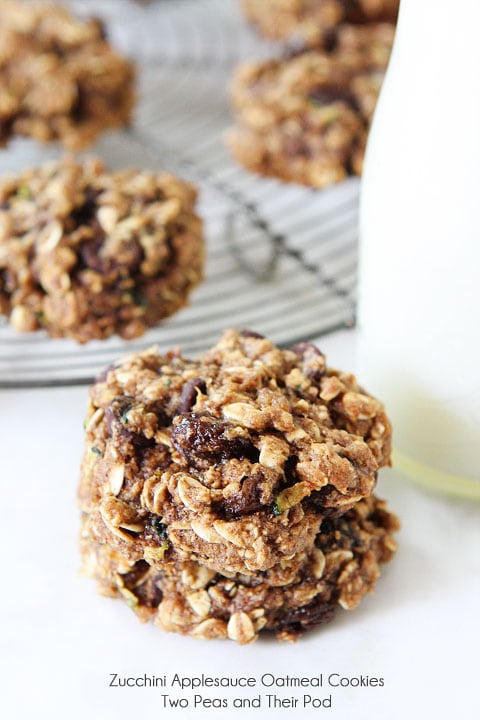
x,y
419,289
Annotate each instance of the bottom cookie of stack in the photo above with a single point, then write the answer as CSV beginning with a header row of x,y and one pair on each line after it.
x,y
190,598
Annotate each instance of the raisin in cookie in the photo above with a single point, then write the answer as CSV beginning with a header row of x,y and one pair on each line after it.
x,y
59,77
305,118
310,20
189,598
86,253
231,460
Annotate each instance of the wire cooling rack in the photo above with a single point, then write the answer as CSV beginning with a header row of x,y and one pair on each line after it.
x,y
281,258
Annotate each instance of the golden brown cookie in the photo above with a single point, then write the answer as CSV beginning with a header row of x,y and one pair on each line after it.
x,y
231,460
86,253
189,598
305,118
59,77
309,20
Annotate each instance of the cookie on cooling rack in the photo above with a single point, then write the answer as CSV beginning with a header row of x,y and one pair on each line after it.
x,y
305,118
189,598
86,253
309,20
231,460
59,77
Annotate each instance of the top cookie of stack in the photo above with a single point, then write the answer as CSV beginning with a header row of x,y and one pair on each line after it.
x,y
241,454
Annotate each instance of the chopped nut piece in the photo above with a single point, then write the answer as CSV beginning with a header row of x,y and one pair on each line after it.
x,y
95,419
206,532
245,414
273,452
318,563
116,477
155,555
23,319
292,496
240,628
200,603
210,630
196,576
192,493
108,217
359,407
51,240
228,532
331,387
119,517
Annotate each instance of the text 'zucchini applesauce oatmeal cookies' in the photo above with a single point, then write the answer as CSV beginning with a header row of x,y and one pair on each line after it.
x,y
232,493
309,20
86,253
305,118
59,77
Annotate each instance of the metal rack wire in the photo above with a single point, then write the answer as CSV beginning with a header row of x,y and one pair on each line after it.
x,y
281,258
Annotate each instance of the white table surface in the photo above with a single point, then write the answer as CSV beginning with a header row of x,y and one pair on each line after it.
x,y
61,641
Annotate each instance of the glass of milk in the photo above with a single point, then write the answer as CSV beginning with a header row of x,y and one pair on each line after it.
x,y
419,278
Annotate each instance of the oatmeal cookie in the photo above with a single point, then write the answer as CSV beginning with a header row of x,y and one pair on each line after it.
x,y
231,460
59,77
305,118
309,20
189,598
85,253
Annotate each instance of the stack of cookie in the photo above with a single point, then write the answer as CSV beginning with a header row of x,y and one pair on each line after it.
x,y
305,117
234,493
